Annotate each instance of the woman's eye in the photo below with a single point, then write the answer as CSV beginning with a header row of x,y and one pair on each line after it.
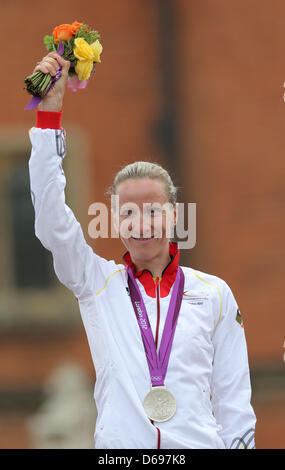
x,y
127,212
154,211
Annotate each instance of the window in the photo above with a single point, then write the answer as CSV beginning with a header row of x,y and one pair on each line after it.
x,y
32,262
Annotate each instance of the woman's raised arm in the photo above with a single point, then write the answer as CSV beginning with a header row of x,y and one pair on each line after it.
x,y
75,263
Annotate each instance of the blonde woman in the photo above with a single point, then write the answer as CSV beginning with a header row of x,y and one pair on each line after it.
x,y
167,342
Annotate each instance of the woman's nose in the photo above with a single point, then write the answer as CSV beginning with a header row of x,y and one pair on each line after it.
x,y
142,225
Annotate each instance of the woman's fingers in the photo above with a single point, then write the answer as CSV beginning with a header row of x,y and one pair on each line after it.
x,y
58,57
45,67
51,63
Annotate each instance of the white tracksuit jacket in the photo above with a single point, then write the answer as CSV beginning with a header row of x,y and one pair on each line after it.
x,y
208,371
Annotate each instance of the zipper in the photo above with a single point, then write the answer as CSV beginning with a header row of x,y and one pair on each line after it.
x,y
156,342
157,311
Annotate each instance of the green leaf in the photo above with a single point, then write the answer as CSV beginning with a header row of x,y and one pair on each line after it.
x,y
89,36
49,43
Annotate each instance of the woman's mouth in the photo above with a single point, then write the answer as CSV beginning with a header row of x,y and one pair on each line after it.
x,y
143,239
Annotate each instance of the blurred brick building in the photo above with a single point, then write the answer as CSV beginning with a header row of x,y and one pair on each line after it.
x,y
197,86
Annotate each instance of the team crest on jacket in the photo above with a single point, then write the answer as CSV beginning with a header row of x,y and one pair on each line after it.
x,y
239,318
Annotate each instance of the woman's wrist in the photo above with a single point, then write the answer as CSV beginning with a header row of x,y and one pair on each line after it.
x,y
50,108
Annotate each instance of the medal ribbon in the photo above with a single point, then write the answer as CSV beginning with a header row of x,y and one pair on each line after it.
x,y
157,363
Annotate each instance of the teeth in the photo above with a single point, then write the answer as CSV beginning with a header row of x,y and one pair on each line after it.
x,y
142,238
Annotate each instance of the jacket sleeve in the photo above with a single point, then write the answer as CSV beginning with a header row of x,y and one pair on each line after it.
x,y
231,387
75,263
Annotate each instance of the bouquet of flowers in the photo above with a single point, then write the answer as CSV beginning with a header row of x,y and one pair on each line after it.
x,y
75,42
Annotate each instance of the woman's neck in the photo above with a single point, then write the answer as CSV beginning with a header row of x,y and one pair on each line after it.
x,y
156,265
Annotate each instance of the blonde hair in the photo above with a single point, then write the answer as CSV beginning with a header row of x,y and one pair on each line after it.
x,y
145,170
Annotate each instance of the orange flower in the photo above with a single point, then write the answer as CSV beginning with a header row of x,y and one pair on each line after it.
x,y
63,32
78,25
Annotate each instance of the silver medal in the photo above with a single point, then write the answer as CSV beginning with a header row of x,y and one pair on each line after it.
x,y
159,404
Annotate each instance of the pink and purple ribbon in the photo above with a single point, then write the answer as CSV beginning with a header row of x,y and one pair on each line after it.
x,y
157,362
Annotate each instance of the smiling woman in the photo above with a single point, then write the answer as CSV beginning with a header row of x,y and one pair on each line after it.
x,y
167,342
144,190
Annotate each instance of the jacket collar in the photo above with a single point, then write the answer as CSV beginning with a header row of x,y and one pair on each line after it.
x,y
167,277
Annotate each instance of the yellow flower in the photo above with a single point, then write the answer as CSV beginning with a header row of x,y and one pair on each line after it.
x,y
86,55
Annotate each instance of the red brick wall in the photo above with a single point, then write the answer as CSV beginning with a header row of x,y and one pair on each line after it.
x,y
232,120
232,69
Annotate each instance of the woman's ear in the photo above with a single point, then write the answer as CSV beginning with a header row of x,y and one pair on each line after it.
x,y
171,218
175,214
115,221
115,216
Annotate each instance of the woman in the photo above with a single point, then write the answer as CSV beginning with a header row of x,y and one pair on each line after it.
x,y
183,386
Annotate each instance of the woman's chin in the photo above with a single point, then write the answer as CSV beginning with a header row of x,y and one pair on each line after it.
x,y
145,248
141,246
